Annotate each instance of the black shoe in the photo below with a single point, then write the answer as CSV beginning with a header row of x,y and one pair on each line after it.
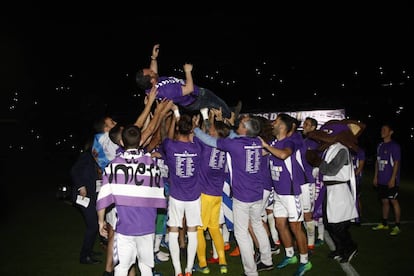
x,y
237,109
257,257
262,267
103,241
90,260
346,258
275,249
96,254
335,255
106,273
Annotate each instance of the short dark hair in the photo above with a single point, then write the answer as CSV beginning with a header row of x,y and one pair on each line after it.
x,y
223,130
185,124
390,125
99,124
266,128
296,122
287,120
143,81
313,121
115,134
131,136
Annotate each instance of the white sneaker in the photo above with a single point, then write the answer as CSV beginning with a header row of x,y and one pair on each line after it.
x,y
204,113
162,256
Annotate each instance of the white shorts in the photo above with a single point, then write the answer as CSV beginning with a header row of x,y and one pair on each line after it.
x,y
111,217
308,197
178,208
266,195
271,200
288,206
131,247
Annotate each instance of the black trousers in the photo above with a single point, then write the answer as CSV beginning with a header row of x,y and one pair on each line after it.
x,y
339,232
90,217
341,236
208,99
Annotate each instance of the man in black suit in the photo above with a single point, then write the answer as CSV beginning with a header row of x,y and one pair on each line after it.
x,y
84,174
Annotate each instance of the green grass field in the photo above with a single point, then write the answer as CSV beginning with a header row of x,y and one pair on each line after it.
x,y
42,234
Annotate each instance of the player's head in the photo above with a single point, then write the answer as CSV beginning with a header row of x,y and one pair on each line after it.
x,y
131,136
146,78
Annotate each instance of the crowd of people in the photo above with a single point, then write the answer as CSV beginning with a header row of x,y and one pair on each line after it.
x,y
162,180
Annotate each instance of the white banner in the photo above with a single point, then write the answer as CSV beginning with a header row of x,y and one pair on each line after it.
x,y
322,116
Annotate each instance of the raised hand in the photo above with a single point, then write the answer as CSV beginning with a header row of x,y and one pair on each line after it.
x,y
188,67
196,120
218,114
155,51
151,96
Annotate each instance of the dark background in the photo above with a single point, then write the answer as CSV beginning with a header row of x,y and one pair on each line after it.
x,y
60,71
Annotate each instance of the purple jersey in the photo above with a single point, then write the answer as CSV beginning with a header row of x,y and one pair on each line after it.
x,y
183,161
285,172
212,170
246,165
265,172
356,157
171,88
387,154
296,137
132,182
135,221
299,152
308,144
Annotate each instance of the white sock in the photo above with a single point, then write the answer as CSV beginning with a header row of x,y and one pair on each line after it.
x,y
175,252
272,227
310,232
157,242
191,250
289,251
226,233
321,229
303,258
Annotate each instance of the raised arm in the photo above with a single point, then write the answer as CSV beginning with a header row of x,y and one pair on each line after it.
x,y
205,138
188,88
156,138
149,100
154,56
168,125
161,110
279,153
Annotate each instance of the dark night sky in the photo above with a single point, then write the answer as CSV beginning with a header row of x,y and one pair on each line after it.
x,y
95,59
